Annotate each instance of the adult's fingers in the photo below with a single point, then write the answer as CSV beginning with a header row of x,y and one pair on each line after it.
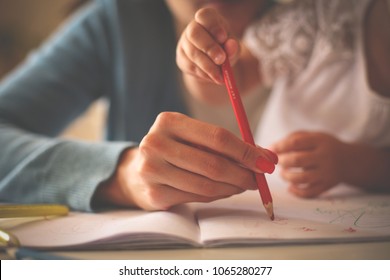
x,y
215,139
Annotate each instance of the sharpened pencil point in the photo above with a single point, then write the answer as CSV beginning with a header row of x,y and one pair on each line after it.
x,y
270,210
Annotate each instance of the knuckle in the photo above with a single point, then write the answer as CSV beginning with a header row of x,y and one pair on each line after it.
x,y
146,169
212,50
214,169
220,137
211,69
207,188
167,119
163,119
200,74
196,71
196,55
149,144
247,154
193,31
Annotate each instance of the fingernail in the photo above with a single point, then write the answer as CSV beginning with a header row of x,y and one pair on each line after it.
x,y
265,165
219,58
272,155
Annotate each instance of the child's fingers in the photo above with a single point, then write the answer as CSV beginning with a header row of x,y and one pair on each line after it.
x,y
309,190
204,46
198,36
300,176
193,59
232,49
297,141
213,23
216,26
187,66
302,159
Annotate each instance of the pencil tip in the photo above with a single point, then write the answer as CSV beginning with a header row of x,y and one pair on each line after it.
x,y
270,210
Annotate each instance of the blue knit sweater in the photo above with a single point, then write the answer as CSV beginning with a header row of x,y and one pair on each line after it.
x,y
121,50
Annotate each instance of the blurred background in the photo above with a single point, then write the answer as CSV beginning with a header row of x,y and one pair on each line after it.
x,y
24,25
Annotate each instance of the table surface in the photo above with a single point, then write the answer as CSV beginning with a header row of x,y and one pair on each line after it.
x,y
333,251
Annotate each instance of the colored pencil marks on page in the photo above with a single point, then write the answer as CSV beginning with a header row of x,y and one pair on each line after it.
x,y
307,229
350,230
371,214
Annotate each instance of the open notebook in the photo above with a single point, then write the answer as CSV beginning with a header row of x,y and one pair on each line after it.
x,y
240,220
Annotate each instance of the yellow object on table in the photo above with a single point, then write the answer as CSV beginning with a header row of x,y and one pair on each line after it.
x,y
32,210
7,239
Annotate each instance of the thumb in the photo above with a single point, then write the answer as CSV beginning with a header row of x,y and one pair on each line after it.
x,y
232,48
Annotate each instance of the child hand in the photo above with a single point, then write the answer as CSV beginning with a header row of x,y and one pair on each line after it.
x,y
204,45
311,162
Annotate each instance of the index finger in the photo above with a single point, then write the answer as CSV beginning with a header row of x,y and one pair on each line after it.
x,y
297,141
213,23
213,138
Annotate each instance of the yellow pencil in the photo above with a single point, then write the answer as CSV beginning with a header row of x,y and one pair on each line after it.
x,y
32,210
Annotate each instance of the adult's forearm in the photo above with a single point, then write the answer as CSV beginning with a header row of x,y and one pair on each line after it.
x,y
37,169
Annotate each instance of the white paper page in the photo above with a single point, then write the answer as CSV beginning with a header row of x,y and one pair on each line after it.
x,y
130,227
343,214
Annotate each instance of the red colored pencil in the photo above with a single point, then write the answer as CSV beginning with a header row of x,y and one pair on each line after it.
x,y
246,133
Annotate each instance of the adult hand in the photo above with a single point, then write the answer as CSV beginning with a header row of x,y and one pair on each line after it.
x,y
184,160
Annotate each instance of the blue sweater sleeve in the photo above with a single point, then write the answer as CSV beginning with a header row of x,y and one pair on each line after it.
x,y
55,85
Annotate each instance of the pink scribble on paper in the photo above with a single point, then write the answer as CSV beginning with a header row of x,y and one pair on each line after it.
x,y
307,229
350,230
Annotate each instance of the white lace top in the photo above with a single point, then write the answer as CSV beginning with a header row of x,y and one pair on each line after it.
x,y
317,70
